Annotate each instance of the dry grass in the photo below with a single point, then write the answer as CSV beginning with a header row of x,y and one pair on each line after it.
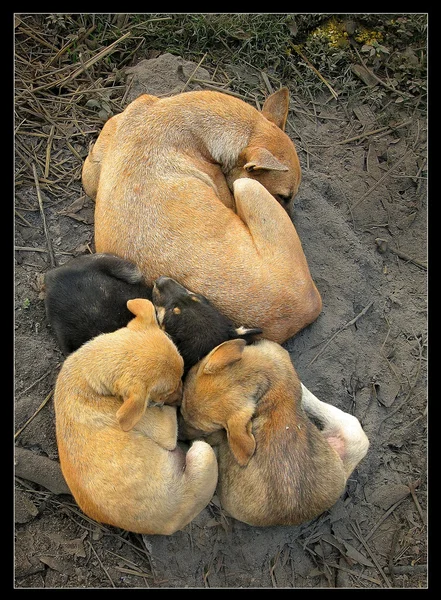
x,y
69,71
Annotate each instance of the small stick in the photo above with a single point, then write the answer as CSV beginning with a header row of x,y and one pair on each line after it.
x,y
48,152
42,405
194,71
348,324
101,564
369,551
40,203
406,569
374,131
266,81
401,254
412,487
380,181
384,517
380,81
319,75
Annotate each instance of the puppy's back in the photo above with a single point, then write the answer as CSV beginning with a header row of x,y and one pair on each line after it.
x,y
88,296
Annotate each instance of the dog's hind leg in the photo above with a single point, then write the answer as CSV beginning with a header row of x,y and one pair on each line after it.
x,y
268,224
199,481
342,430
92,165
267,221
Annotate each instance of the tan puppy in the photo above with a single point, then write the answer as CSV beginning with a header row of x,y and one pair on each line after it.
x,y
275,466
121,461
162,172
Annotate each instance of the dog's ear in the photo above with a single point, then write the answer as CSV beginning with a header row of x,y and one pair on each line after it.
x,y
276,107
131,411
224,355
144,312
240,437
245,332
259,159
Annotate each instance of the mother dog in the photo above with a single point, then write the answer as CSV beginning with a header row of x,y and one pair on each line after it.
x,y
161,174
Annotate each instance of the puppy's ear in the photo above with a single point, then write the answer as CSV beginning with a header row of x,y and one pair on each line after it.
x,y
144,312
224,355
240,437
276,107
131,411
246,333
259,159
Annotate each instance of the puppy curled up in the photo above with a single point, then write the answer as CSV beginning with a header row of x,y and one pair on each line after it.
x,y
88,295
275,466
116,427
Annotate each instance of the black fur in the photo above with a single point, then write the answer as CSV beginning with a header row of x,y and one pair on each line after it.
x,y
193,323
88,296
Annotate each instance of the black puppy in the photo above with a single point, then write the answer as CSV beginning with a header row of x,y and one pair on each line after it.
x,y
88,296
192,322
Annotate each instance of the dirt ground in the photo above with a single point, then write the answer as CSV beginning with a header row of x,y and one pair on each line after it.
x,y
361,214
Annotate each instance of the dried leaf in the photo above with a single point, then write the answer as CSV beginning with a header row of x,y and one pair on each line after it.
x,y
356,556
57,564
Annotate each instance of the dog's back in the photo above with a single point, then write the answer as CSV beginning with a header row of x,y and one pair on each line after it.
x,y
88,296
159,203
118,454
275,466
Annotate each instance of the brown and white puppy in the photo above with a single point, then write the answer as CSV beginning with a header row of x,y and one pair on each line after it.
x,y
275,466
119,455
162,173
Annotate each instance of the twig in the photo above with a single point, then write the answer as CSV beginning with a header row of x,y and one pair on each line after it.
x,y
384,517
354,573
401,254
32,385
101,564
42,405
48,151
406,569
374,131
380,181
31,249
392,553
359,535
193,72
348,324
412,386
267,82
412,487
319,75
220,89
40,203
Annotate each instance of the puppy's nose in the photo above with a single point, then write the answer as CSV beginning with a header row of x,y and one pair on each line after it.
x,y
175,398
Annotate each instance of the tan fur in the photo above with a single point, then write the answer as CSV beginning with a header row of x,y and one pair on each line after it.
x,y
120,459
275,466
162,173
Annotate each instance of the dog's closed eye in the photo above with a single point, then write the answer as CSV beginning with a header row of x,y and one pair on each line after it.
x,y
284,198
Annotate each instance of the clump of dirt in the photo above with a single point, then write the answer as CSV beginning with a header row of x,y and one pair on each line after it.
x,y
361,214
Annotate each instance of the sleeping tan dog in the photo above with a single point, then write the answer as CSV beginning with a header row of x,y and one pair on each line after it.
x,y
275,466
162,172
118,455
